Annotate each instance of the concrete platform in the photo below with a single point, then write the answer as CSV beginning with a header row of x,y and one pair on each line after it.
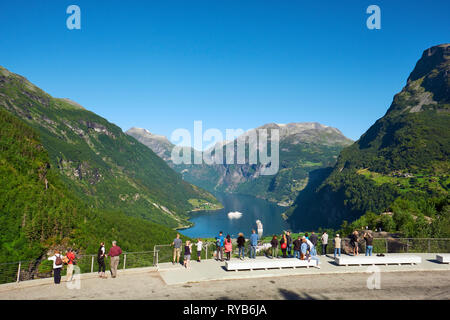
x,y
210,270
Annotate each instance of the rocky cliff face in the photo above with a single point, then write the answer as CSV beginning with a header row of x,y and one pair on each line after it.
x,y
403,155
303,147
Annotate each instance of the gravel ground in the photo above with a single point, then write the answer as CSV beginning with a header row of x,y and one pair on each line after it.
x,y
394,285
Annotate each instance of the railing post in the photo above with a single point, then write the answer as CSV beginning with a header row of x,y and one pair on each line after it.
x,y
18,271
407,245
92,264
429,245
124,260
156,258
206,252
387,248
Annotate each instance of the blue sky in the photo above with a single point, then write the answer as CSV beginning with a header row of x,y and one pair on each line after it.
x,y
161,65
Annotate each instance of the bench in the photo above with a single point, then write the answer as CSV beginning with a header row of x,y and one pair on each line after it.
x,y
443,258
267,263
373,260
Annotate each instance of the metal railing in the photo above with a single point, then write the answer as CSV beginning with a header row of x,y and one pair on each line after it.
x,y
36,269
39,269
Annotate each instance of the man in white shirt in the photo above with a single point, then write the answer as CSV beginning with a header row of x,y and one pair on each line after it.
x,y
57,266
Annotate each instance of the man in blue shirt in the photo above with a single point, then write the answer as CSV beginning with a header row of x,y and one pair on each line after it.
x,y
253,244
219,244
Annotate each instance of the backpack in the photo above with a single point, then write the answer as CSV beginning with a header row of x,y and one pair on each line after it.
x,y
58,260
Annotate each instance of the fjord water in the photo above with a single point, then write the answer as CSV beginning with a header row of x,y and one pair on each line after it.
x,y
207,224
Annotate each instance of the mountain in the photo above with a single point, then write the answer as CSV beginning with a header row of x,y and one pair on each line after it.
x,y
399,166
303,147
38,211
97,161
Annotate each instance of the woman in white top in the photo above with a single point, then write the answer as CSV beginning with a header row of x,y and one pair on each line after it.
x,y
199,249
57,266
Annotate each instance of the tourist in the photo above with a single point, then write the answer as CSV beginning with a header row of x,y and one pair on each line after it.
x,y
219,246
306,235
274,244
187,254
253,244
337,245
101,253
311,247
241,245
199,249
297,246
324,239
354,242
57,259
70,262
114,253
313,239
369,243
303,249
176,249
283,244
289,243
228,247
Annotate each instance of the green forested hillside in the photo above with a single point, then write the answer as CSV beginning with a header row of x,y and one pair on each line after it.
x,y
95,159
400,165
37,210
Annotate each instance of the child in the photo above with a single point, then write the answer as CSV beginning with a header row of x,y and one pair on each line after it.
x,y
228,247
187,253
199,249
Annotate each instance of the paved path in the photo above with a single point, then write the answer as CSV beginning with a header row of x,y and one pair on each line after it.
x,y
213,270
429,280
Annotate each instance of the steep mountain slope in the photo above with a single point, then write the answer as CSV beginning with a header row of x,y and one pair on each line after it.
x,y
95,159
401,164
37,211
303,147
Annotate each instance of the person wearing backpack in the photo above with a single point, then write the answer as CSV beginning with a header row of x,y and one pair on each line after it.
x,y
219,246
70,263
57,259
101,254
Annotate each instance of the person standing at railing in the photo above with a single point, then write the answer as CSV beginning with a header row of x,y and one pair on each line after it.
x,y
297,247
289,243
187,254
241,245
101,260
219,245
70,262
199,249
303,249
57,259
114,253
176,248
324,239
283,244
228,247
354,242
274,243
253,244
314,239
369,243
337,245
